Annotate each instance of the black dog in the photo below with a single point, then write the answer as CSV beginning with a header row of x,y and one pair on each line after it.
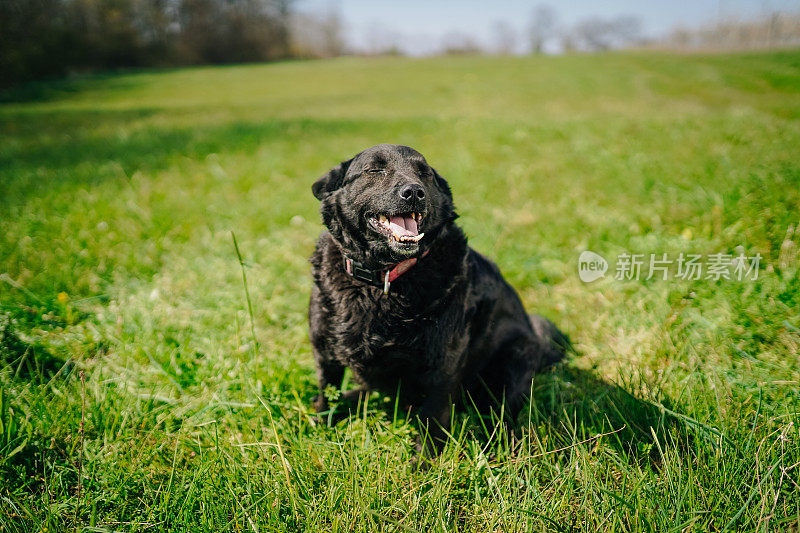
x,y
402,300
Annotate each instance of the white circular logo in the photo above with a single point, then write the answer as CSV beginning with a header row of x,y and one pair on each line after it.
x,y
591,266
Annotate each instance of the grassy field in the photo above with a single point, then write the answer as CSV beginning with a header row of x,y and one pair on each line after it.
x,y
135,397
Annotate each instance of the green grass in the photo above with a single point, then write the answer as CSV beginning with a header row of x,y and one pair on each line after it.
x,y
134,397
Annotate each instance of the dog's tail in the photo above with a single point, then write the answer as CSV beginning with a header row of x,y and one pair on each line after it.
x,y
554,344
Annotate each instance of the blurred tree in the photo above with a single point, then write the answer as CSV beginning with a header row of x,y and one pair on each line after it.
x,y
317,35
504,36
153,21
542,27
41,38
33,36
103,34
777,30
597,34
459,43
566,39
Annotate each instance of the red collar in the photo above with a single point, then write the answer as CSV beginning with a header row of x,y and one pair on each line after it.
x,y
379,278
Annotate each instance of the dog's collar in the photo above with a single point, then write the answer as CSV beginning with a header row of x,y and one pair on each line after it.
x,y
379,278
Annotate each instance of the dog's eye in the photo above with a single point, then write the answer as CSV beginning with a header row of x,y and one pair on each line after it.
x,y
423,172
375,170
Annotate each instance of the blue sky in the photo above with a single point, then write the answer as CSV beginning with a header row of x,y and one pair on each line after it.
x,y
419,26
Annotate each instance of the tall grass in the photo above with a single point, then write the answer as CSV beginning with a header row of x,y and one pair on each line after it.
x,y
118,196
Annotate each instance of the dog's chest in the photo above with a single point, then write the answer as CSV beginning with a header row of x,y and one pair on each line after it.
x,y
381,338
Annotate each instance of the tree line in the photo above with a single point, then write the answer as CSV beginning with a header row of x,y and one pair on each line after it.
x,y
774,31
51,38
46,38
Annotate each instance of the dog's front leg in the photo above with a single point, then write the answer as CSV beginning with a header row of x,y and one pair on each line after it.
x,y
329,373
434,418
440,386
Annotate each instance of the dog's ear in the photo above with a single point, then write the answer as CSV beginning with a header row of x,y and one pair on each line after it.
x,y
441,184
331,181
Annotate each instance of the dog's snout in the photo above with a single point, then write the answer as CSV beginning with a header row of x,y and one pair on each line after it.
x,y
412,191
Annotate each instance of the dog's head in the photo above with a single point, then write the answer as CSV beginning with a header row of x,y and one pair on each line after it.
x,y
385,205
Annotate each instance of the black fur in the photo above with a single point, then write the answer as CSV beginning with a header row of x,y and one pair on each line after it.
x,y
450,325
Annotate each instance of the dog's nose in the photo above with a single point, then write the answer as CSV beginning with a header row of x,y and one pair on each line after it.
x,y
412,190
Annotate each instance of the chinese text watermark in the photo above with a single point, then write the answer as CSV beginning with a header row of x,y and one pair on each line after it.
x,y
639,266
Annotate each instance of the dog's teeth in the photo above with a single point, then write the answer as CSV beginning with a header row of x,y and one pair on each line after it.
x,y
383,220
410,238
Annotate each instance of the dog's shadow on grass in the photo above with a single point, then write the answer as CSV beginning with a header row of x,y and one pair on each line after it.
x,y
572,405
568,406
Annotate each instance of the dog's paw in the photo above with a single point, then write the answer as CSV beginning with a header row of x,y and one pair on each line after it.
x,y
320,403
323,409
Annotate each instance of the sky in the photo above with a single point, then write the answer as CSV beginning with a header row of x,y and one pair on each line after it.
x,y
419,26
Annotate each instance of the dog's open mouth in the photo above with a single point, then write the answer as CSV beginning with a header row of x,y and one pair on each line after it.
x,y
402,227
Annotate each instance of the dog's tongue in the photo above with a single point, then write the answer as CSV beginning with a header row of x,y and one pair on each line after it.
x,y
403,226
